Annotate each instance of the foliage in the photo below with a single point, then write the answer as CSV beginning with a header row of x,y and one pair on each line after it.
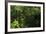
x,y
25,16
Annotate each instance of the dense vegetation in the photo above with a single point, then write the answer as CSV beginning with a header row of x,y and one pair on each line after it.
x,y
25,16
